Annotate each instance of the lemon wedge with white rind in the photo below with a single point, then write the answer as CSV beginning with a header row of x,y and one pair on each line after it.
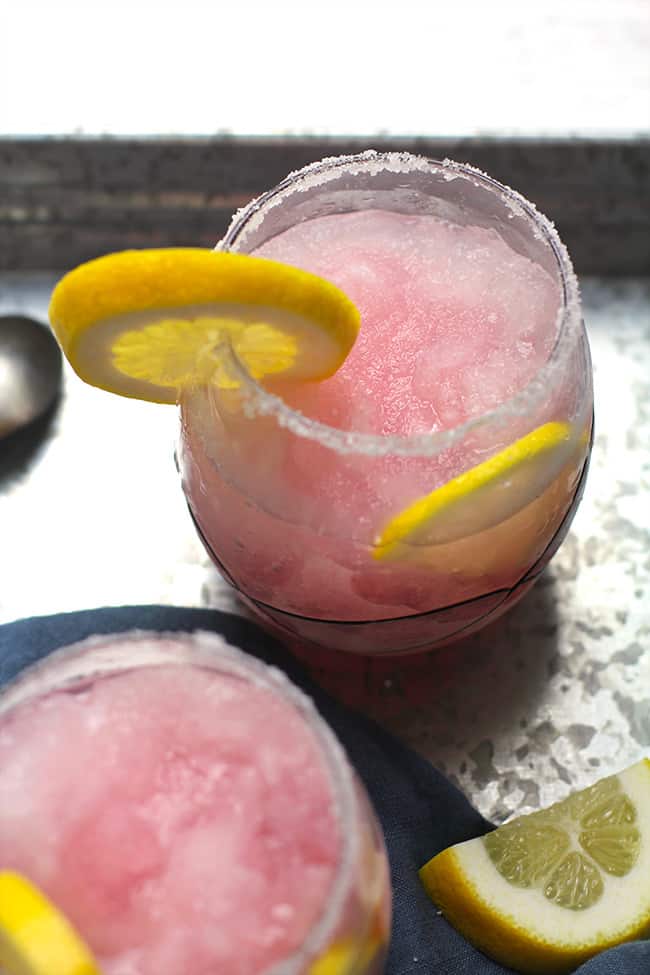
x,y
481,497
546,892
149,323
35,938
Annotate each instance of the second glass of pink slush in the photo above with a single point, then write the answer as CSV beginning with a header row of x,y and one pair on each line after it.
x,y
189,811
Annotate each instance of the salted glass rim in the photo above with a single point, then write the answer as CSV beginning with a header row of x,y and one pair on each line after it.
x,y
259,401
83,660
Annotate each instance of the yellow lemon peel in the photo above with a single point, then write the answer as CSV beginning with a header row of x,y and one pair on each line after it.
x,y
35,938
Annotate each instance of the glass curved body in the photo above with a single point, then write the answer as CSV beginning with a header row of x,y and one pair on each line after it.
x,y
305,566
354,919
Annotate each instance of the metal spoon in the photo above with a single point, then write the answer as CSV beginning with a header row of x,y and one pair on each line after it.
x,y
30,372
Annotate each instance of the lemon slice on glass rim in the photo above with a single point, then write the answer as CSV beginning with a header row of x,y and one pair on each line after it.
x,y
35,938
148,323
547,891
480,497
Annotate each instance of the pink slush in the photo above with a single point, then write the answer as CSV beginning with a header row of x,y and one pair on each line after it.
x,y
183,818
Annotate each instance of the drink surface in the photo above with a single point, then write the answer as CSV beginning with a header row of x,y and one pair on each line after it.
x,y
453,321
182,819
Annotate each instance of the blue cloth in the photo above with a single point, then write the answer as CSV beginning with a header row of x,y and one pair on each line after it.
x,y
420,811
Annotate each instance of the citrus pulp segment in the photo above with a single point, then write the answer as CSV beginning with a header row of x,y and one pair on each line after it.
x,y
545,892
35,939
147,323
482,496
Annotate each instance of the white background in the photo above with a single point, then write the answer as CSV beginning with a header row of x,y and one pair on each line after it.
x,y
325,67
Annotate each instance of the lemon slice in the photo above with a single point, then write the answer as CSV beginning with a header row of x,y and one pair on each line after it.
x,y
347,957
35,938
350,956
482,496
148,323
337,960
545,892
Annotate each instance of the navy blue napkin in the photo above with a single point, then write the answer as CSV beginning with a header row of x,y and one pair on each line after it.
x,y
420,811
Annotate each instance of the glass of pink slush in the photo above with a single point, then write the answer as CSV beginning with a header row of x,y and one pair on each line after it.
x,y
189,811
419,492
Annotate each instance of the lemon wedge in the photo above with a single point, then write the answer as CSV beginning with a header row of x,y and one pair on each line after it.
x,y
148,323
545,892
35,938
481,497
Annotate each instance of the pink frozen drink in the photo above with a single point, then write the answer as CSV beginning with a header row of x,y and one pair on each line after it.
x,y
186,808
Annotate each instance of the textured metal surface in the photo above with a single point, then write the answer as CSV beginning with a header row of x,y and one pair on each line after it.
x,y
63,201
552,697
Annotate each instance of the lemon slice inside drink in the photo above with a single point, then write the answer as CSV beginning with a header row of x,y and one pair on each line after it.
x,y
348,957
545,892
35,938
480,497
149,323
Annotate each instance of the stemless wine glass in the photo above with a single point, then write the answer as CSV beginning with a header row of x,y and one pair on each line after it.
x,y
290,508
351,929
